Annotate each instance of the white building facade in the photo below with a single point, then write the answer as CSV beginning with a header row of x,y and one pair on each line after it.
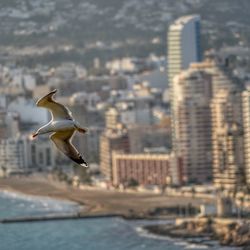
x,y
13,156
246,129
183,49
192,92
183,44
23,155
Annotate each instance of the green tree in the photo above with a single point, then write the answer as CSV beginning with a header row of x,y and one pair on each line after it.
x,y
133,183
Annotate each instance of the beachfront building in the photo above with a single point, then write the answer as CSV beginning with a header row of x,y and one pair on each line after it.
x,y
24,155
142,169
13,156
192,92
112,139
246,129
227,140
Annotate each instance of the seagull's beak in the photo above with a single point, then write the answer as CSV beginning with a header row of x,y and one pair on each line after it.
x,y
34,135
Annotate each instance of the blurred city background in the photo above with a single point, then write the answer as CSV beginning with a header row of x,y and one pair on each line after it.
x,y
163,87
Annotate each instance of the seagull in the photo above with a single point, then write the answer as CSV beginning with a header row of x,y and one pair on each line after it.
x,y
63,127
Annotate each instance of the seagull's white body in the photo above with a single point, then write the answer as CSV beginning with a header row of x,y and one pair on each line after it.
x,y
63,127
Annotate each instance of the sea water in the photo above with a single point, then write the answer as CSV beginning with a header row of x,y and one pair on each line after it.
x,y
82,234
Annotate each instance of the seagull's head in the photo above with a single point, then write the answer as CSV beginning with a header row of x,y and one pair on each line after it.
x,y
40,131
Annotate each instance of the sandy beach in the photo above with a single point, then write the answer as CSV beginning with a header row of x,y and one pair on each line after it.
x,y
95,201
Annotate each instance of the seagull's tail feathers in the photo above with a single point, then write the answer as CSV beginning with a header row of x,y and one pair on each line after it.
x,y
80,129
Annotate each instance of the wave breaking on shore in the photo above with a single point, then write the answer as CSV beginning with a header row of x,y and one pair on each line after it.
x,y
36,205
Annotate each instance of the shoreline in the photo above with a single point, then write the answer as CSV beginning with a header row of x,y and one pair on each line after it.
x,y
226,232
85,210
96,201
103,203
198,242
23,195
142,232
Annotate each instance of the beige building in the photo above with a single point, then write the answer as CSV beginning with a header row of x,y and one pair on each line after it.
x,y
227,137
145,169
112,118
220,74
192,92
111,140
183,48
246,129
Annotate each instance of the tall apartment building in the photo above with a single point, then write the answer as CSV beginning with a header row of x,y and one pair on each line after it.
x,y
183,49
220,74
227,139
112,140
183,44
13,156
192,92
246,130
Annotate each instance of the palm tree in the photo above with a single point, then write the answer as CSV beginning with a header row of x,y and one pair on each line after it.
x,y
241,198
4,170
193,190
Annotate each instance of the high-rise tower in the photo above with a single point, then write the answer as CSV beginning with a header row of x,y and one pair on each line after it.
x,y
192,92
227,139
246,129
183,49
183,44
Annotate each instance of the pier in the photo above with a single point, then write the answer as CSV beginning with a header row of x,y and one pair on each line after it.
x,y
55,217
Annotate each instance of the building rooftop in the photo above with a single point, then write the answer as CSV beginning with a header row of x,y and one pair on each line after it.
x,y
180,22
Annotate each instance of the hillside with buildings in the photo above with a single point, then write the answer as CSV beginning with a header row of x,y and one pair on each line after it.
x,y
61,28
163,88
156,121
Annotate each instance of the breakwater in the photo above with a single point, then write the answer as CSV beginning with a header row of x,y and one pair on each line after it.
x,y
55,217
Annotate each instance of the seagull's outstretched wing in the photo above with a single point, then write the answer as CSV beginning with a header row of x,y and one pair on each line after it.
x,y
58,111
63,142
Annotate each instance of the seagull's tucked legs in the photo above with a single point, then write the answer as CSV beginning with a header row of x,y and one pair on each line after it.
x,y
63,127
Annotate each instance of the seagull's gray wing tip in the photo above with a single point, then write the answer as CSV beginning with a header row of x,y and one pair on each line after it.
x,y
79,160
44,99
